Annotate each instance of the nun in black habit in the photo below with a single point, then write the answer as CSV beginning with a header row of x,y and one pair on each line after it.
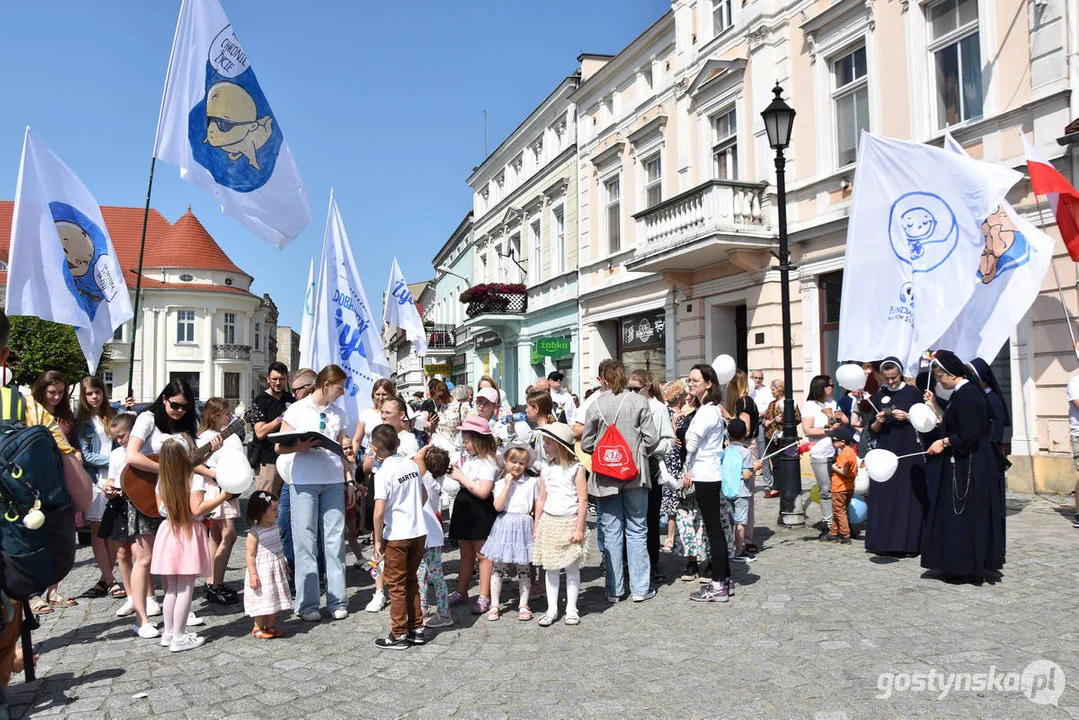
x,y
897,507
964,532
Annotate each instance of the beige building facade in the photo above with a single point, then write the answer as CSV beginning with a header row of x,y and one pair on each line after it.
x,y
677,181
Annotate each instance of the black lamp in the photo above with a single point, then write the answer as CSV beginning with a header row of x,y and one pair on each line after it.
x,y
778,121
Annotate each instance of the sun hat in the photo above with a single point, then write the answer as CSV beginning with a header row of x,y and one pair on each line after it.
x,y
560,433
489,394
476,424
520,446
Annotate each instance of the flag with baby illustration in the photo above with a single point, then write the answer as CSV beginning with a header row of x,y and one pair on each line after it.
x,y
57,232
217,126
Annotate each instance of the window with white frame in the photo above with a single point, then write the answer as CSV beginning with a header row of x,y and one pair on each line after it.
x,y
851,97
230,328
107,379
535,262
514,252
558,240
483,267
118,333
185,326
721,16
612,190
957,60
725,146
258,336
653,180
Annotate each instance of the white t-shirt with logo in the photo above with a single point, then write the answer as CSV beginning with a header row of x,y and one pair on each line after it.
x,y
523,494
1073,412
399,483
316,466
822,448
563,402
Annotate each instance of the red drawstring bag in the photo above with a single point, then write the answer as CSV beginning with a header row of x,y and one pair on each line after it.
x,y
613,457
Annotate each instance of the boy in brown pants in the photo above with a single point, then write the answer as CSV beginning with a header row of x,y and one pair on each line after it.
x,y
400,537
844,470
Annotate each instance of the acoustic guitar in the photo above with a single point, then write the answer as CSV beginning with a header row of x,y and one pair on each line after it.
x,y
140,486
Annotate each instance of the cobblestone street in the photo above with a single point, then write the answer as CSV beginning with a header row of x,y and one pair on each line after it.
x,y
811,631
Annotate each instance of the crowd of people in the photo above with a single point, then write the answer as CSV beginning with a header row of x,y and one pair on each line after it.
x,y
511,488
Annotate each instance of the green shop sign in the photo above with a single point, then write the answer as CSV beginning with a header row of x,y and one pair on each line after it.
x,y
552,347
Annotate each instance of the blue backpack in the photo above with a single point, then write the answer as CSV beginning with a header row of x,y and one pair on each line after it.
x,y
731,472
37,533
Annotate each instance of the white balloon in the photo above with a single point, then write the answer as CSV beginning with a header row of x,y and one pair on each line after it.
x,y
861,481
851,376
881,464
922,417
725,368
234,473
284,467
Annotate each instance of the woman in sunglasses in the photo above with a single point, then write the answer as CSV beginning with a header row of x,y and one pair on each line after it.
x,y
172,412
318,494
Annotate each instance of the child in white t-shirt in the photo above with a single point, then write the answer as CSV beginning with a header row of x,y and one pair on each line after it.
x,y
114,520
400,537
510,541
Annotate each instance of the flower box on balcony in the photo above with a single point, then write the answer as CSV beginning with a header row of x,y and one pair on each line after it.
x,y
495,298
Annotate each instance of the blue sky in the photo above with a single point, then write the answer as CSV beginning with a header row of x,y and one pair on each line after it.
x,y
382,101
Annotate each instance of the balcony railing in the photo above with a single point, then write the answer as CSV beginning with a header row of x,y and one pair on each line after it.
x,y
715,207
496,299
441,337
232,352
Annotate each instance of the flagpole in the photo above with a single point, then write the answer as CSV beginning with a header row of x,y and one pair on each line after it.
x,y
138,283
1060,290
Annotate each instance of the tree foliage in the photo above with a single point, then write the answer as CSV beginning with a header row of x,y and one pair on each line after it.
x,y
38,345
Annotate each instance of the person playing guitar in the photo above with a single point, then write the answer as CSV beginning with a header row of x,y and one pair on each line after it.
x,y
171,413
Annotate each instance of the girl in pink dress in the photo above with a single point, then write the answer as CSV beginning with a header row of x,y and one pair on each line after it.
x,y
181,553
266,590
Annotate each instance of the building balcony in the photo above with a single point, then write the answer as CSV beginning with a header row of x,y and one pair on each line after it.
x,y
232,352
500,307
441,339
701,227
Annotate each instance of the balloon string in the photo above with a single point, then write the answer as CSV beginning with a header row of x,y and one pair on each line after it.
x,y
900,457
780,450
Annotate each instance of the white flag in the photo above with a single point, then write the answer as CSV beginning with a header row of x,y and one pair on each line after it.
x,y
307,324
400,310
217,126
913,244
57,229
345,330
1015,257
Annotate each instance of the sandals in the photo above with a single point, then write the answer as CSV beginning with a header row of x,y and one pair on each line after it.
x,y
116,590
263,634
492,614
573,620
547,620
99,590
61,601
39,606
524,614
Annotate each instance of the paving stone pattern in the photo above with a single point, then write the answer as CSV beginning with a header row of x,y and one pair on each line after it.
x,y
810,631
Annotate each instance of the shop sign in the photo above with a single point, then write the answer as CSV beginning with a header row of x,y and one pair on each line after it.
x,y
486,339
645,330
438,369
555,348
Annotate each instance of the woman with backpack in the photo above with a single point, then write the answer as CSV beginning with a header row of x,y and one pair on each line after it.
x,y
622,503
704,452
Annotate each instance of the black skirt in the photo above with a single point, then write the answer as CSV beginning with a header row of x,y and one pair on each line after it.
x,y
472,518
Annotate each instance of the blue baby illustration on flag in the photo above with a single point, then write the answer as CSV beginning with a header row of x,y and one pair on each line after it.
x,y
1006,248
88,278
233,132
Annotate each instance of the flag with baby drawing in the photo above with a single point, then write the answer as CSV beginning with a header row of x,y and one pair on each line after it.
x,y
1015,258
57,233
399,309
216,125
914,242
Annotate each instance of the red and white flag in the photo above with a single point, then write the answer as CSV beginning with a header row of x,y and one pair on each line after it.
x,y
1063,198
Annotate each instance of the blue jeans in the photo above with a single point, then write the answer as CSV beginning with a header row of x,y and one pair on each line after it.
x,y
624,519
310,504
765,448
284,524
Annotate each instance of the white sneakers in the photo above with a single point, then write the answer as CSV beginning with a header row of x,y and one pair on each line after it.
x,y
340,614
378,602
147,631
152,607
128,608
187,641
192,620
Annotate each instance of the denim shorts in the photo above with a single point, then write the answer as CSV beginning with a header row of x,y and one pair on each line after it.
x,y
741,510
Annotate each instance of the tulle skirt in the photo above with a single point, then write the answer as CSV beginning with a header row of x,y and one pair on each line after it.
x,y
553,550
510,540
180,553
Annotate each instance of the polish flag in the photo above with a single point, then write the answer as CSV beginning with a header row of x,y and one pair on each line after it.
x,y
1063,198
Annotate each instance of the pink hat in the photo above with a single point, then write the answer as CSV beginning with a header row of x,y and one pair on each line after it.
x,y
489,394
476,424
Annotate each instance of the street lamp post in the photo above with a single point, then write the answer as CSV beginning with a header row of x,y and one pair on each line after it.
x,y
779,122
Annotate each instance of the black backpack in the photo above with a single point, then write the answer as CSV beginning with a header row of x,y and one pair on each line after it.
x,y
37,533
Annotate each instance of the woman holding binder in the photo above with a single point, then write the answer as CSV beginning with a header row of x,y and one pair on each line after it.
x,y
318,493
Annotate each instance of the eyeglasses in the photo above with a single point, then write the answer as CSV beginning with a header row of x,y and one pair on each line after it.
x,y
225,125
299,388
631,388
178,406
322,421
